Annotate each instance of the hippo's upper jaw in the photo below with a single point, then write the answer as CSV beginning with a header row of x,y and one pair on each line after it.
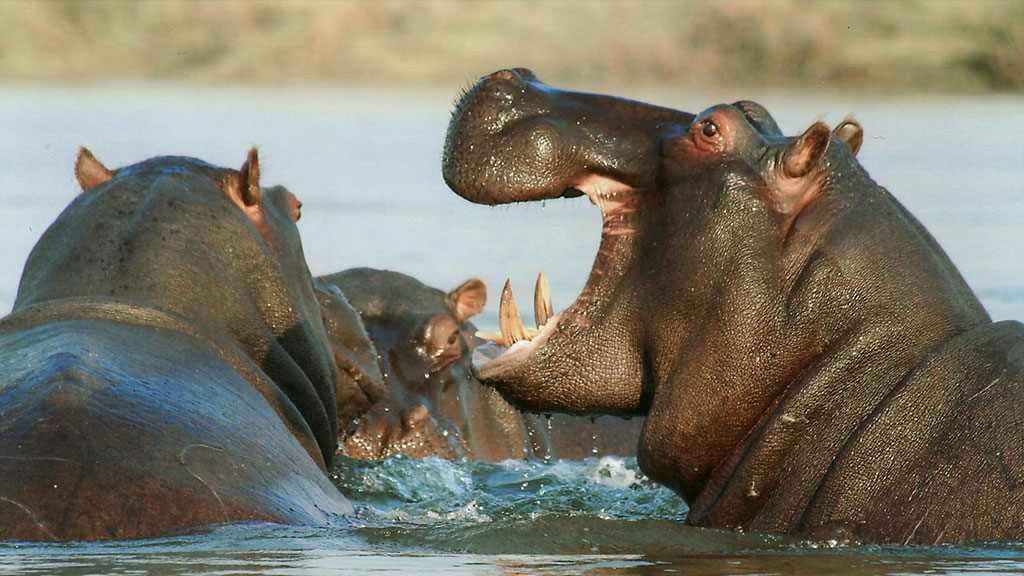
x,y
513,138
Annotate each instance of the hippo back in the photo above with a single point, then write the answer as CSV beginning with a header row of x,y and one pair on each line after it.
x,y
165,365
161,234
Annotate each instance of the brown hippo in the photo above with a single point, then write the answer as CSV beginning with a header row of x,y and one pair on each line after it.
x,y
165,365
809,360
435,406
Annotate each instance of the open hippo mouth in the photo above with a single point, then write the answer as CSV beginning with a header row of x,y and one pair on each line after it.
x,y
513,138
515,343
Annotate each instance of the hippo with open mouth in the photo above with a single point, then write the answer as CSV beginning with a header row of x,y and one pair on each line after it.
x,y
809,360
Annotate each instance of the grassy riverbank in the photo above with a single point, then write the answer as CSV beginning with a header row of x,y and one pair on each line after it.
x,y
857,46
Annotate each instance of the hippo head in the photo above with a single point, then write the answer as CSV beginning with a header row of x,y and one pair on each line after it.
x,y
513,138
209,246
423,340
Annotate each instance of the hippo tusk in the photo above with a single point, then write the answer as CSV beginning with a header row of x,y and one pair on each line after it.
x,y
511,325
542,309
509,321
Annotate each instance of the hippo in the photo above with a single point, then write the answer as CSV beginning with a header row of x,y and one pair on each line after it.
x,y
165,365
435,407
809,360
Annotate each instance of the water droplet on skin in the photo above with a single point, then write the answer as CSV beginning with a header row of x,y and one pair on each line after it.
x,y
426,375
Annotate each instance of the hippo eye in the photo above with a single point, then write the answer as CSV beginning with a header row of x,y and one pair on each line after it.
x,y
709,129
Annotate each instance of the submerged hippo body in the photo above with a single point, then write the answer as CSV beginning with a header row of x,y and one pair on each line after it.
x,y
809,360
165,366
435,407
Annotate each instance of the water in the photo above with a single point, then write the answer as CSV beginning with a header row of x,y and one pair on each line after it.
x,y
366,165
599,516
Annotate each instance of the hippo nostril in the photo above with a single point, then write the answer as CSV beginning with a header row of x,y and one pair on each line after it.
x,y
526,74
509,75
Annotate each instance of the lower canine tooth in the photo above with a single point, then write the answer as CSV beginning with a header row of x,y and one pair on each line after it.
x,y
542,300
498,339
511,325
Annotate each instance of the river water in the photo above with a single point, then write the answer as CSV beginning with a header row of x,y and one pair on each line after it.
x,y
365,163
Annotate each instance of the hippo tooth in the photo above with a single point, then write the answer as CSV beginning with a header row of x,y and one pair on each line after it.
x,y
497,338
489,336
542,309
511,325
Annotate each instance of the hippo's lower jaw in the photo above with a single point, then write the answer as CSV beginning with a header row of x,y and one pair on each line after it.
x,y
492,359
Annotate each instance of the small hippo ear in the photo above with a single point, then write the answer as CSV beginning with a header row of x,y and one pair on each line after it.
x,y
243,187
89,171
468,299
850,132
804,155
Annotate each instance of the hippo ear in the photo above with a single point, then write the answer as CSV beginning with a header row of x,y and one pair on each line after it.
x,y
468,299
243,187
850,132
797,181
804,155
89,171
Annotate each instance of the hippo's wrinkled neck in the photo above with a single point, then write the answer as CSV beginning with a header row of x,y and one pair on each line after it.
x,y
856,320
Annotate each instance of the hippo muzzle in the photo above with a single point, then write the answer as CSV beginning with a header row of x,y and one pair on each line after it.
x,y
513,138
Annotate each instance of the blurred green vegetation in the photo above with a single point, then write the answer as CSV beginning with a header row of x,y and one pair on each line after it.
x,y
859,46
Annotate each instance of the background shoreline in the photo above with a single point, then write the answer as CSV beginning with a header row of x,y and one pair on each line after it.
x,y
880,47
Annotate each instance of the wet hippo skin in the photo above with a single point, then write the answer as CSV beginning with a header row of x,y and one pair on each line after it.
x,y
165,365
434,406
809,360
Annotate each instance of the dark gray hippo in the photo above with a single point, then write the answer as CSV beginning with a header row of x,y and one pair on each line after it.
x,y
809,360
435,407
165,365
